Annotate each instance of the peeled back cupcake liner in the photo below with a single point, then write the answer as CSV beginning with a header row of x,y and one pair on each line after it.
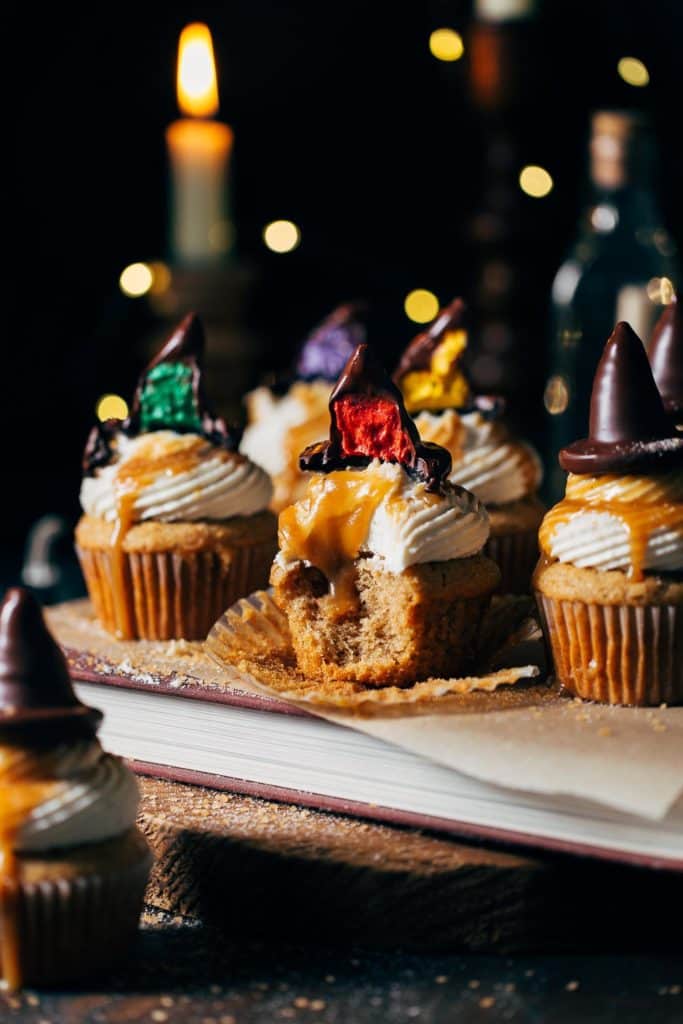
x,y
73,926
617,654
516,555
172,594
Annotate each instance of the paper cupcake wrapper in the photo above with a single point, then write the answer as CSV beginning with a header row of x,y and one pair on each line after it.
x,y
71,927
168,595
516,555
617,654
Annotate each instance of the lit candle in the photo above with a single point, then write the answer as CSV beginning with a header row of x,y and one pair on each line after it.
x,y
199,151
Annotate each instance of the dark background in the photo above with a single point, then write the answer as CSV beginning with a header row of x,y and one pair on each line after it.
x,y
344,123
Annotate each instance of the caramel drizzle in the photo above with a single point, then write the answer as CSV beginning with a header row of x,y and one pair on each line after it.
x,y
133,475
18,798
644,506
328,528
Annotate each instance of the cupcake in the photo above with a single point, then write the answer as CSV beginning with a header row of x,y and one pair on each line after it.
x,y
503,472
73,867
282,423
380,570
665,353
610,579
176,524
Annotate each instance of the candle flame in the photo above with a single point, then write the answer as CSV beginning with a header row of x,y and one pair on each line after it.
x,y
196,80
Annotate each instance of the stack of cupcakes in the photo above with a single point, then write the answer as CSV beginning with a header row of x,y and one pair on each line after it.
x,y
176,525
504,472
284,420
610,578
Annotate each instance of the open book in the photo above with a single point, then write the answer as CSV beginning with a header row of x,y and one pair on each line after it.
x,y
238,740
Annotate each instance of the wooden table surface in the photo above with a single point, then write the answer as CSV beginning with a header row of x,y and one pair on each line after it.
x,y
180,973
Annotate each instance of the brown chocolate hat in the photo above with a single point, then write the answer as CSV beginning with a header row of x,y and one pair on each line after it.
x,y
369,421
629,429
665,353
37,698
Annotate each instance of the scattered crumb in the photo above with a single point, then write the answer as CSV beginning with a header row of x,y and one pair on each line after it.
x,y
441,979
487,1002
301,1002
571,986
318,1004
474,983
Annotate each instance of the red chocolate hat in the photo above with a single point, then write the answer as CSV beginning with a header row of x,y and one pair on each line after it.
x,y
665,353
369,421
629,428
36,695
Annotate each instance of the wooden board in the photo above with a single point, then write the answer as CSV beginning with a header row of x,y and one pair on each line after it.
x,y
252,868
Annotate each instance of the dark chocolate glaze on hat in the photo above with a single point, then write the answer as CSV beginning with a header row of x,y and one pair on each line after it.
x,y
184,345
364,377
665,353
417,356
629,429
37,699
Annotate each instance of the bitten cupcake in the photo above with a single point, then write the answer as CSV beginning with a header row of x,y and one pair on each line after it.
x,y
73,867
281,424
610,579
176,524
665,353
488,460
380,570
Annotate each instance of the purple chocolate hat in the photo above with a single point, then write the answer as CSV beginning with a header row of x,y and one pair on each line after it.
x,y
331,344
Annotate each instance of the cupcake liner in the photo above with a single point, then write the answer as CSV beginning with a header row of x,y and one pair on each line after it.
x,y
617,654
170,595
67,928
516,555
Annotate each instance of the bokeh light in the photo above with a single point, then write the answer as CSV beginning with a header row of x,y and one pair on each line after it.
x,y
633,72
556,395
111,407
446,44
421,305
136,280
281,236
535,181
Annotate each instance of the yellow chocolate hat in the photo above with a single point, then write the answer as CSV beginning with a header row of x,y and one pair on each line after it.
x,y
430,373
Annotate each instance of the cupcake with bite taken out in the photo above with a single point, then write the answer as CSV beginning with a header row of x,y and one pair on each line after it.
x,y
73,867
176,525
281,423
380,570
610,579
504,472
665,353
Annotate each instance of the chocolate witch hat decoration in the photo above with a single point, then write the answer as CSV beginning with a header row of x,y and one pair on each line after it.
x,y
170,396
665,353
35,687
418,373
328,347
629,429
369,421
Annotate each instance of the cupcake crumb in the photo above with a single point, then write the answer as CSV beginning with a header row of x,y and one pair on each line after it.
x,y
572,986
487,1002
474,983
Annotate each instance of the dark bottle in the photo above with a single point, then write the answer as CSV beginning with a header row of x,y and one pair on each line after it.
x,y
622,266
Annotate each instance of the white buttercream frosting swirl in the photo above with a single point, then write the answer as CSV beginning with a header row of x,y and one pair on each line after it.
x,y
630,523
382,514
487,460
175,477
89,795
271,437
